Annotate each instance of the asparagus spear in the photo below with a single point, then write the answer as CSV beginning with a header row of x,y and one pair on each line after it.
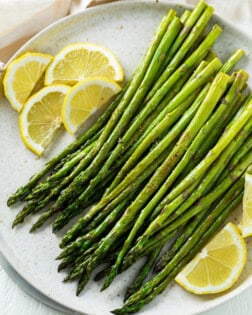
x,y
160,239
216,91
82,223
188,231
164,119
213,66
81,202
229,64
196,221
203,133
181,217
158,289
198,239
178,128
87,239
118,109
174,57
218,117
64,218
106,169
197,55
188,19
36,204
21,193
126,108
234,127
143,273
237,158
53,180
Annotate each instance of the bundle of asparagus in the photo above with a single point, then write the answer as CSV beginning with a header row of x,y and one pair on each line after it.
x,y
166,159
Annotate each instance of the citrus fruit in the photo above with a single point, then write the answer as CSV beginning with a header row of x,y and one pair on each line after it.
x,y
78,61
219,264
22,75
41,117
84,99
246,223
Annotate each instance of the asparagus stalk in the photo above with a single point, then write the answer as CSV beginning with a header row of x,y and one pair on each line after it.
x,y
187,232
165,141
118,109
216,91
196,221
22,192
87,239
203,133
197,55
178,128
234,127
237,158
233,60
64,217
218,117
107,167
53,180
181,217
82,223
188,19
36,204
143,273
81,201
127,109
174,58
161,239
162,121
198,239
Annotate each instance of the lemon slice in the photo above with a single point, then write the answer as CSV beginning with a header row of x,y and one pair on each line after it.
x,y
84,99
41,117
246,224
78,61
22,75
219,264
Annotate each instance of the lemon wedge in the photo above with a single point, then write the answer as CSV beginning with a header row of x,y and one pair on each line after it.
x,y
84,99
78,61
219,264
22,75
246,223
41,117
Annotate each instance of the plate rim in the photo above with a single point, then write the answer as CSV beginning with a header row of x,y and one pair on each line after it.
x,y
212,303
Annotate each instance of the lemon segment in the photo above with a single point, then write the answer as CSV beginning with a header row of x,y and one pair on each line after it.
x,y
78,61
41,117
22,75
219,264
84,99
246,224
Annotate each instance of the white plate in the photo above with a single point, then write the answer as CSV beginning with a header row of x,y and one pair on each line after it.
x,y
126,28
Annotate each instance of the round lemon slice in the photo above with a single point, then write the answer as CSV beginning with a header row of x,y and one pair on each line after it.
x,y
246,223
41,117
22,75
78,61
84,99
219,264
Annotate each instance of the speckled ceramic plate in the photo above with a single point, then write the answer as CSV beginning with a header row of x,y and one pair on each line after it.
x,y
126,28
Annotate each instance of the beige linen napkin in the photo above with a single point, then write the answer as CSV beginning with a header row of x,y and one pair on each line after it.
x,y
21,19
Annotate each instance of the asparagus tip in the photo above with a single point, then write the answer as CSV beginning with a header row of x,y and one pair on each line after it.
x,y
33,228
67,278
14,224
78,291
116,311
